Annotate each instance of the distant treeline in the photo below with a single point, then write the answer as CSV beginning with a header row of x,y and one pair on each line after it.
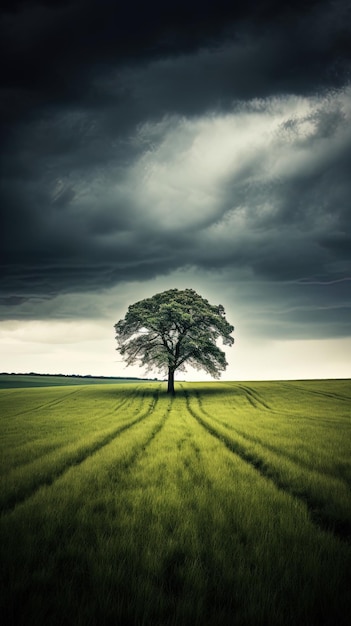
x,y
75,376
32,379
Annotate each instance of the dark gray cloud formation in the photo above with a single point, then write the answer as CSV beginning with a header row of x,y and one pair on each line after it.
x,y
143,140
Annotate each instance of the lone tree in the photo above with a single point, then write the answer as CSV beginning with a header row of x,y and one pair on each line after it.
x,y
173,328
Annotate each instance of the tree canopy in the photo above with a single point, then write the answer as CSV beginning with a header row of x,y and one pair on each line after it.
x,y
174,328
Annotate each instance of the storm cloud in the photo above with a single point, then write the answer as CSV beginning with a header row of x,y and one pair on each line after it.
x,y
141,145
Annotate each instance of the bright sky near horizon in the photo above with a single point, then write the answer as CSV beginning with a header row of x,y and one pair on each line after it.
x,y
204,145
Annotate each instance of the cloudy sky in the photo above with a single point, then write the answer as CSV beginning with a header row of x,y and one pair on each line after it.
x,y
189,144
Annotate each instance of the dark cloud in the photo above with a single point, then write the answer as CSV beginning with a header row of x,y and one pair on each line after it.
x,y
55,50
143,140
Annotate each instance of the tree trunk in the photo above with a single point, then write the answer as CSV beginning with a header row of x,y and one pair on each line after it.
x,y
170,386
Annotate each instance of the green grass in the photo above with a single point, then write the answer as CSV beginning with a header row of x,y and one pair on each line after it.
x,y
228,505
13,381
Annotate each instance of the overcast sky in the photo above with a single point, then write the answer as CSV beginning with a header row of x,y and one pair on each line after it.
x,y
187,144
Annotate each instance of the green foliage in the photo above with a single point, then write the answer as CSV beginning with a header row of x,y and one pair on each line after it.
x,y
173,328
229,504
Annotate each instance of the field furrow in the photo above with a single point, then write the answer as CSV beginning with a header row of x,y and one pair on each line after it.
x,y
325,394
327,498
254,398
140,449
27,436
33,408
22,482
305,463
177,510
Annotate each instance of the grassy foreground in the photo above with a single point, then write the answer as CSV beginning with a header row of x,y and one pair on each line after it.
x,y
227,505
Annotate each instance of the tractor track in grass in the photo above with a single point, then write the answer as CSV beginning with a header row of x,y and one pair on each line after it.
x,y
124,403
63,398
254,398
341,531
5,392
256,402
140,450
95,418
266,446
326,394
76,459
48,404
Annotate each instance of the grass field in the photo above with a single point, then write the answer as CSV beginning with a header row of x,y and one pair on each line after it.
x,y
229,504
12,381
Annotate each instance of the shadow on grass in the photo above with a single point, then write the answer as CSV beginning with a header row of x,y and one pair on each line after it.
x,y
159,389
208,389
185,389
